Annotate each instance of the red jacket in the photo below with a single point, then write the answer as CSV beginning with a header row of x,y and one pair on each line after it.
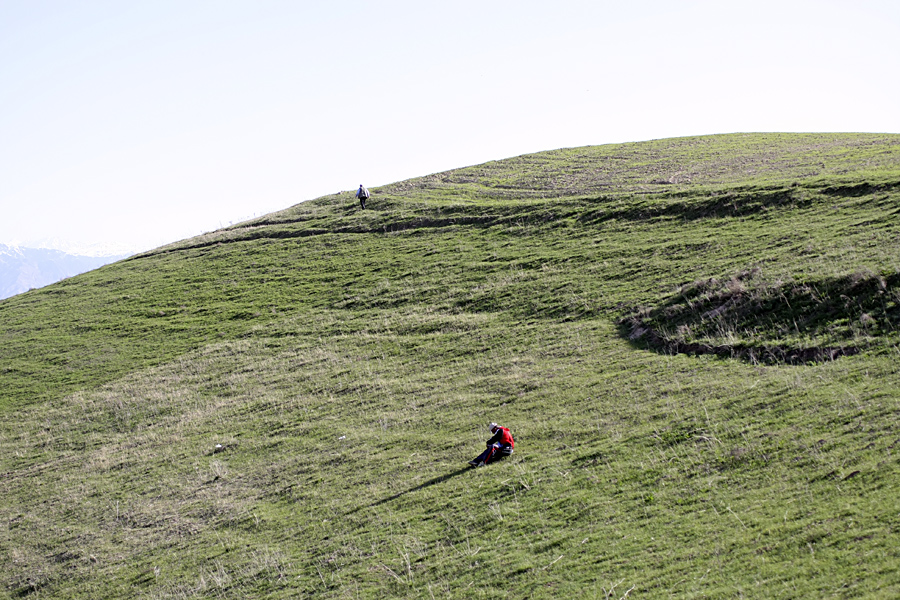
x,y
502,436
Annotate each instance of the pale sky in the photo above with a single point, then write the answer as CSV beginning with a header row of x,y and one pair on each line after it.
x,y
135,124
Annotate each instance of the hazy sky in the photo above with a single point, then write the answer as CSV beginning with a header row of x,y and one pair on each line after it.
x,y
140,123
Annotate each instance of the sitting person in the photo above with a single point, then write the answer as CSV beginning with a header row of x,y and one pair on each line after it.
x,y
501,444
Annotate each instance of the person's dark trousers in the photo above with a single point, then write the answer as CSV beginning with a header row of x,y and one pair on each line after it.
x,y
493,452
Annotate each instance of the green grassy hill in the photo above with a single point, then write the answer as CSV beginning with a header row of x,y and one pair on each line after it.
x,y
695,342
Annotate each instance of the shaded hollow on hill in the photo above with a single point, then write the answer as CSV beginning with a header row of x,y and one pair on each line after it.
x,y
752,319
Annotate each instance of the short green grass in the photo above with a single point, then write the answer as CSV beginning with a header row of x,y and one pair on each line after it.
x,y
284,408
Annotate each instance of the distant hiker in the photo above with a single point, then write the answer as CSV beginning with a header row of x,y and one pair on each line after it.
x,y
363,195
501,444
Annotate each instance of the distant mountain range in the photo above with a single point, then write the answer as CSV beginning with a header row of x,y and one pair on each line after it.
x,y
22,269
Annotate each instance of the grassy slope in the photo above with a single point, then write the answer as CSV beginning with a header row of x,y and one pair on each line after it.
x,y
348,361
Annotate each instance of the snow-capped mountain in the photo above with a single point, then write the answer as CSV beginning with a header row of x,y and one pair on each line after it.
x,y
22,269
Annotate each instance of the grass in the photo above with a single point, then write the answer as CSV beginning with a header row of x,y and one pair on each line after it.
x,y
776,322
284,408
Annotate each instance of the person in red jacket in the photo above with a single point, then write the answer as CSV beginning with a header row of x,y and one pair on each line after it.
x,y
501,444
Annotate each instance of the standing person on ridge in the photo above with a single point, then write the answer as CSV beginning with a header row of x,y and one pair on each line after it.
x,y
501,444
363,195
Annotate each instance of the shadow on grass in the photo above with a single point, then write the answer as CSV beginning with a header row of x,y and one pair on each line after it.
x,y
861,307
430,482
640,335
